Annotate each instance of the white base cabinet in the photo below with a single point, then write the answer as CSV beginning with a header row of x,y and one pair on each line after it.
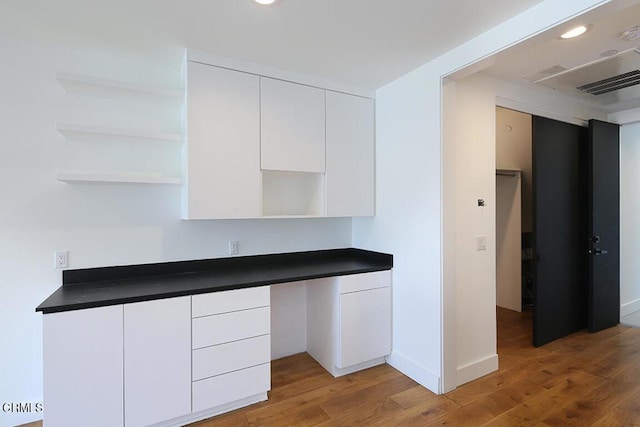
x,y
83,384
157,361
231,342
349,321
174,361
166,362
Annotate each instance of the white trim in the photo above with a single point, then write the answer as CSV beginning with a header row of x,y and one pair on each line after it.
x,y
523,107
276,73
339,372
212,412
415,371
477,369
625,117
629,308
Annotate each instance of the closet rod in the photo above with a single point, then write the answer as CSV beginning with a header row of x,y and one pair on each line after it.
x,y
506,174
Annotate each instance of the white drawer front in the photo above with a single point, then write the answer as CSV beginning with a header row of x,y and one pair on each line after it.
x,y
227,301
223,358
364,281
227,388
223,328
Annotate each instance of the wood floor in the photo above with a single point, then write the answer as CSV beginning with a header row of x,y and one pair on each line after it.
x,y
582,380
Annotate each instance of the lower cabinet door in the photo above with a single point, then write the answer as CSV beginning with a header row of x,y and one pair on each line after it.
x,y
365,326
82,355
157,361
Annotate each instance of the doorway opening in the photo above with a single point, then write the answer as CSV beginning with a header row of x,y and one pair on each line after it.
x,y
514,222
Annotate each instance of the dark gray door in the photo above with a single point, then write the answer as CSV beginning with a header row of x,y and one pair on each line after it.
x,y
559,229
604,225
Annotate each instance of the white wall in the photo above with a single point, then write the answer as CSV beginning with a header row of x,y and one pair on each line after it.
x,y
409,125
629,214
407,221
475,157
513,151
509,241
288,319
476,272
514,209
100,224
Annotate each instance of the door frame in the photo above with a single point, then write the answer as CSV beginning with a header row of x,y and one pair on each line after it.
x,y
448,360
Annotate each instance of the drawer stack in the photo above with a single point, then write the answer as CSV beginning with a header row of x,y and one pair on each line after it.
x,y
231,346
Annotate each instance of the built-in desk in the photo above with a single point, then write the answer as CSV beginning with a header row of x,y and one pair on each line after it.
x,y
172,343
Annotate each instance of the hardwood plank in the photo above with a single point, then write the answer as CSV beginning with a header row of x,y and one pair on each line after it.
x,y
367,405
232,419
492,405
340,386
541,406
420,414
413,396
290,370
593,406
33,424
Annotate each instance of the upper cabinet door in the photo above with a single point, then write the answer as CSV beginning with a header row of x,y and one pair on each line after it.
x,y
350,155
292,127
222,152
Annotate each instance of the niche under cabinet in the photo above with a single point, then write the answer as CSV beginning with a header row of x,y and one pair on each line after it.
x,y
292,194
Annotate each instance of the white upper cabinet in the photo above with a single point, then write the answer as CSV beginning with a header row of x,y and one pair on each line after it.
x,y
292,127
260,147
222,151
350,155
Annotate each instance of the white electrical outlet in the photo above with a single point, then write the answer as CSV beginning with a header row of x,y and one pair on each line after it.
x,y
61,259
234,247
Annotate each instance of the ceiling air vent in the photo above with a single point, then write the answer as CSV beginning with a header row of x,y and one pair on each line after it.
x,y
611,84
606,81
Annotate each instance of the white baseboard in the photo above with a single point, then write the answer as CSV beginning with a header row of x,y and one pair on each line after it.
x,y
415,371
477,369
212,412
629,307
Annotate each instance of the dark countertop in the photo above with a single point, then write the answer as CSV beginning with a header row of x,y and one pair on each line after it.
x,y
97,287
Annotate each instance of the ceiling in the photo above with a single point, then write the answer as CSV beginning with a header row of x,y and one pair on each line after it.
x,y
533,60
366,43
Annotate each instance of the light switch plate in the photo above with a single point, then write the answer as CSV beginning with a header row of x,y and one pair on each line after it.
x,y
481,243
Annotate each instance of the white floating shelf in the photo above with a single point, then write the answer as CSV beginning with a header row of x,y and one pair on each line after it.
x,y
68,130
116,177
89,80
291,216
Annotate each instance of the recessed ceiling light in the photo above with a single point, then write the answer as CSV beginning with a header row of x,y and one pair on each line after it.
x,y
266,2
575,32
